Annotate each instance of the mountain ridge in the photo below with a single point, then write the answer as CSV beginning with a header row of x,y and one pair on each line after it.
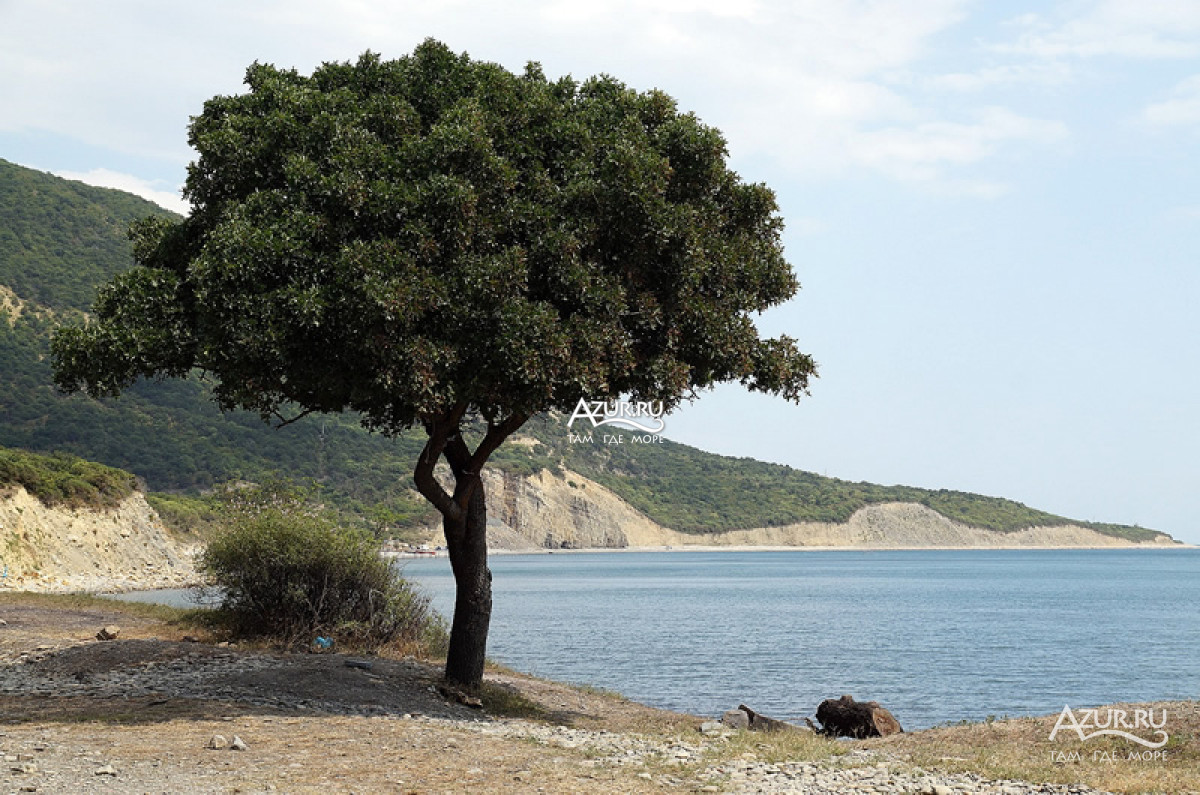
x,y
60,240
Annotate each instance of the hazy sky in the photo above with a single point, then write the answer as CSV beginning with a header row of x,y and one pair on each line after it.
x,y
993,207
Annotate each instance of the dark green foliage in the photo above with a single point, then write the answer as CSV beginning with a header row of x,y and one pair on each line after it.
x,y
60,240
413,239
64,479
429,239
171,434
186,514
289,572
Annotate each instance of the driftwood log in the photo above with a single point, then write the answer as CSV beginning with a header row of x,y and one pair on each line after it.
x,y
845,717
761,723
745,718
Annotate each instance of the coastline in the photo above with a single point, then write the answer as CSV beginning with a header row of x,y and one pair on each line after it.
x,y
843,548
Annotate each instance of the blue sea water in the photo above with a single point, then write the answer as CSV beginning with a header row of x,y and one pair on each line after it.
x,y
936,636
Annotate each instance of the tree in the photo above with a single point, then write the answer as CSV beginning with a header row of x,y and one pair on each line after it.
x,y
436,241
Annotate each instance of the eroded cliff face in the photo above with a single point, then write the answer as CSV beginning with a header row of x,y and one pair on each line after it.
x,y
550,512
547,511
60,549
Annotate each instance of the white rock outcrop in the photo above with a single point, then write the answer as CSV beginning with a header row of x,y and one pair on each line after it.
x,y
63,549
569,511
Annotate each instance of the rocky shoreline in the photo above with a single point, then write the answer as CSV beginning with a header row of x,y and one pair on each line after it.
x,y
169,672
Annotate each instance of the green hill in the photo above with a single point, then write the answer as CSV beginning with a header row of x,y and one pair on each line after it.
x,y
60,240
64,479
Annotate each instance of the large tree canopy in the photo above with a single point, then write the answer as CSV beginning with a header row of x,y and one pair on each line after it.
x,y
431,238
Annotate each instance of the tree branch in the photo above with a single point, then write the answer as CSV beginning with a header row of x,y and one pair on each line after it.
x,y
440,430
459,455
285,422
496,435
467,466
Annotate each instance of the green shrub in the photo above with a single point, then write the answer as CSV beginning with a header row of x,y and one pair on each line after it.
x,y
188,514
290,575
64,479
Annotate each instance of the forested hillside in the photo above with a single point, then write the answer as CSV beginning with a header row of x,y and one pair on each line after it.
x,y
59,240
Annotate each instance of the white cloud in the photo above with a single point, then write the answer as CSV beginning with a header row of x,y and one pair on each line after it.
x,y
813,86
1039,73
806,226
151,191
921,152
1126,28
1188,213
1183,106
971,188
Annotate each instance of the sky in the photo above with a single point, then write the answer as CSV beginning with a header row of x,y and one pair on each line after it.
x,y
992,207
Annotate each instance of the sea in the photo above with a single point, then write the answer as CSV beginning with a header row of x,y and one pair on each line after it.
x,y
936,636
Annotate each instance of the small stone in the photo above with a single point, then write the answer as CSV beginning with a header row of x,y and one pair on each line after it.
x,y
107,770
3,623
646,776
25,767
712,727
218,742
109,632
238,744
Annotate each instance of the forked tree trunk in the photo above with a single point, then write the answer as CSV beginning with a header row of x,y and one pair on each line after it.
x,y
464,520
467,542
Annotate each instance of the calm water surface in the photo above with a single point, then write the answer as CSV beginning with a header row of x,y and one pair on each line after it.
x,y
936,636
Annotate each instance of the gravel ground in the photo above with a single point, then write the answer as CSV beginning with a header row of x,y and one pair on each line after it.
x,y
141,714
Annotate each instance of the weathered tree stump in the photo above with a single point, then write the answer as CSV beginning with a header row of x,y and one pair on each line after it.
x,y
845,717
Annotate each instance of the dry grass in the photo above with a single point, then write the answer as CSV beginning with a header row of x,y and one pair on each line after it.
x,y
1021,749
778,747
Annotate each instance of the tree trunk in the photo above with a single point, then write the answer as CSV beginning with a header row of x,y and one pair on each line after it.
x,y
466,540
464,520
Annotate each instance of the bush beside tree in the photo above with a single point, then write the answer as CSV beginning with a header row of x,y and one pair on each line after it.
x,y
290,573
